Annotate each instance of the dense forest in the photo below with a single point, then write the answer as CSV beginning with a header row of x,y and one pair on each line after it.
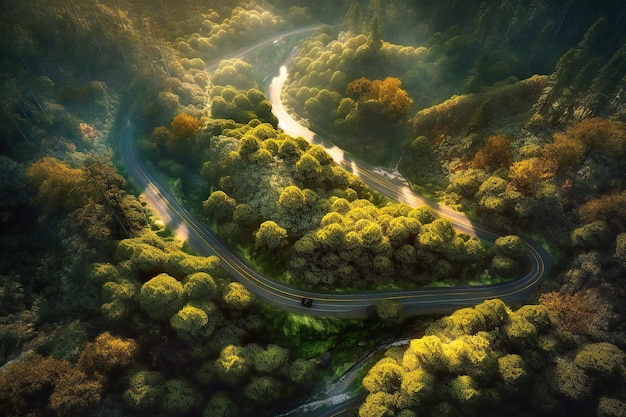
x,y
510,111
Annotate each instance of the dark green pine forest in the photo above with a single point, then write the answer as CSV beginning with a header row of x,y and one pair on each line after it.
x,y
511,111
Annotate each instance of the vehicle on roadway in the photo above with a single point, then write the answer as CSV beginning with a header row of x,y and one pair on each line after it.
x,y
422,301
307,302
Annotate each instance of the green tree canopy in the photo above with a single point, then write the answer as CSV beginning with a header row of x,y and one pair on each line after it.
x,y
389,310
271,359
264,390
512,370
191,323
219,207
234,72
220,405
602,360
594,235
237,296
180,397
200,286
161,297
270,236
233,364
303,372
144,390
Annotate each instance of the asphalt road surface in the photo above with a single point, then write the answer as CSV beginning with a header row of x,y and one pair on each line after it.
x,y
330,304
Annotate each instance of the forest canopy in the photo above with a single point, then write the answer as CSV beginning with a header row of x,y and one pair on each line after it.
x,y
510,111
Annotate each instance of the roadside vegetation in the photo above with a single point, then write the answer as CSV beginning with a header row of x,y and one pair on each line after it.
x,y
490,359
521,125
103,312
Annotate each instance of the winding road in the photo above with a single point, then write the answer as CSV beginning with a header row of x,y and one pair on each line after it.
x,y
331,304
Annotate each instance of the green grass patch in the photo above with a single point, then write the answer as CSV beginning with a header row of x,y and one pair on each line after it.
x,y
165,233
485,278
426,192
441,284
176,186
310,336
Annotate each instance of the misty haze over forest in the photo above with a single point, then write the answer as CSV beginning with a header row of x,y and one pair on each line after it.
x,y
218,208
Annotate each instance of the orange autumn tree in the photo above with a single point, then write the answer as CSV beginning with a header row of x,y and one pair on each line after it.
x,y
183,129
394,100
595,137
495,154
578,313
379,98
600,135
564,154
527,173
609,208
59,187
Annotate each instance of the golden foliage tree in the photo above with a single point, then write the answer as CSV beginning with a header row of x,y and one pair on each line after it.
x,y
600,135
36,384
578,313
383,98
161,297
184,125
107,353
183,129
494,154
564,153
610,208
58,185
527,173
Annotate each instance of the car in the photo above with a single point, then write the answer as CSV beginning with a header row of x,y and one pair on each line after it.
x,y
307,302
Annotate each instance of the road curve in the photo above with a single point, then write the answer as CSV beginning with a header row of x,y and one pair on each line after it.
x,y
212,66
392,187
329,304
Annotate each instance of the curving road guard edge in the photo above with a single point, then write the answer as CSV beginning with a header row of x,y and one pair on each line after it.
x,y
327,304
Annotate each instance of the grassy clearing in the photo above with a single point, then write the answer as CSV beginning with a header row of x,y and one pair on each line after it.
x,y
310,336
